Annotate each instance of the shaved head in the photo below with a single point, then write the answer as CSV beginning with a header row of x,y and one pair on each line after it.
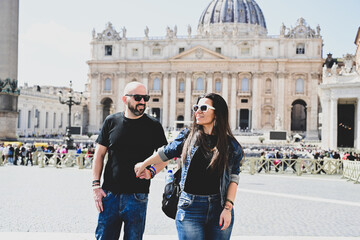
x,y
135,88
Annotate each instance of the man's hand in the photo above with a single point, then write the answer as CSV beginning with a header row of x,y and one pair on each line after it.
x,y
139,168
145,174
99,194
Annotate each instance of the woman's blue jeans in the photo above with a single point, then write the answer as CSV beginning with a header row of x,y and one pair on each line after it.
x,y
198,217
129,209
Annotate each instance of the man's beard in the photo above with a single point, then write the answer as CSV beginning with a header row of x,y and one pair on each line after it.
x,y
135,111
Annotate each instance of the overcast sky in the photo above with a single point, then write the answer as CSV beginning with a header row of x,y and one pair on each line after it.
x,y
54,35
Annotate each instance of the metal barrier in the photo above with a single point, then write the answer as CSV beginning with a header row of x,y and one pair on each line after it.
x,y
296,166
351,171
60,160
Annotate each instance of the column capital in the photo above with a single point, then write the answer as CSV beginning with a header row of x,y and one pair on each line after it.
x,y
209,74
225,73
257,74
188,74
120,74
234,74
173,74
281,74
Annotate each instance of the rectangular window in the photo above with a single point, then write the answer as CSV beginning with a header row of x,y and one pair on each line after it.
x,y
46,120
180,100
19,119
29,119
108,50
37,116
61,120
181,50
54,121
245,51
218,50
156,51
135,52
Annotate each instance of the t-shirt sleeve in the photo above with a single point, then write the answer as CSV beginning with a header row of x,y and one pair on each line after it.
x,y
103,138
161,139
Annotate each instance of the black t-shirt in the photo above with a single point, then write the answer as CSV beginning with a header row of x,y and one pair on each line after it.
x,y
201,179
128,141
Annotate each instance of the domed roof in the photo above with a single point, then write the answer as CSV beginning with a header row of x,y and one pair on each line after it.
x,y
233,11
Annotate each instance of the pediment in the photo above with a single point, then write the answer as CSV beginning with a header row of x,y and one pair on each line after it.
x,y
199,53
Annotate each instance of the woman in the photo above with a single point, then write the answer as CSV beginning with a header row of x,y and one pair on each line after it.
x,y
210,171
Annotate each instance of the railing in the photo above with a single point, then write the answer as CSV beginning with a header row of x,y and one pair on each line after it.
x,y
351,171
296,166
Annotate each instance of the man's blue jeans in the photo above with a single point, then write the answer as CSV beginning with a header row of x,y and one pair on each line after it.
x,y
198,218
129,209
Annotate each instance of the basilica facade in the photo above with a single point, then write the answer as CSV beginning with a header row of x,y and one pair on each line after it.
x,y
269,82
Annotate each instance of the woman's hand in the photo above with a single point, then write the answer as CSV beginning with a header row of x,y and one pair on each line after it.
x,y
139,169
225,219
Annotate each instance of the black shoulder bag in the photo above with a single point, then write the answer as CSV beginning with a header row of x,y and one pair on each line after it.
x,y
171,196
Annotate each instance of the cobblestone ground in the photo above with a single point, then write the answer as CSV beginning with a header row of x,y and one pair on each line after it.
x,y
37,199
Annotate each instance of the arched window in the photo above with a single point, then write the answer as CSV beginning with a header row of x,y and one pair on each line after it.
x,y
181,86
218,86
300,48
245,85
268,85
299,85
200,84
156,84
107,86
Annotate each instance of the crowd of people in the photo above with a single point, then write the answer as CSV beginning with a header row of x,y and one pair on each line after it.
x,y
13,154
282,159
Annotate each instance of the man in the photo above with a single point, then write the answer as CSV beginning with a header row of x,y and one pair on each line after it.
x,y
128,137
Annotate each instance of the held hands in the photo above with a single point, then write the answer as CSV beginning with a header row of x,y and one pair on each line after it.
x,y
141,171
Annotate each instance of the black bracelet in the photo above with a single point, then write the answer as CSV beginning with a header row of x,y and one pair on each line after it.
x,y
96,181
152,173
228,200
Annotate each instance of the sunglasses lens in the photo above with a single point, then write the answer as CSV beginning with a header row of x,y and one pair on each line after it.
x,y
195,108
137,98
203,108
146,98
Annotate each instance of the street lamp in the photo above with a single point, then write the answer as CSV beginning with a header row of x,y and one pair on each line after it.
x,y
70,100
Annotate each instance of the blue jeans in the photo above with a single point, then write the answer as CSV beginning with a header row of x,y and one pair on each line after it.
x,y
129,209
198,217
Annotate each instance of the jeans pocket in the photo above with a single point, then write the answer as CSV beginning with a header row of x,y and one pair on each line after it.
x,y
141,197
108,194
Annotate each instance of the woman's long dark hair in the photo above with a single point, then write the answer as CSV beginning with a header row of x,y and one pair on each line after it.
x,y
221,129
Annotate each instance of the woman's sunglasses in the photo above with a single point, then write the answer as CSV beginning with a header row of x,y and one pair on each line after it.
x,y
138,97
202,108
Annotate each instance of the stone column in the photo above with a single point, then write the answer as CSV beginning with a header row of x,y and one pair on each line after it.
x,y
172,116
256,104
146,80
280,98
333,122
325,135
357,124
225,86
188,97
120,91
233,101
209,77
312,111
95,78
9,93
165,102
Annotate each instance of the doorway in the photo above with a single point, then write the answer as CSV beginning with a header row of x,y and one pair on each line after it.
x,y
346,121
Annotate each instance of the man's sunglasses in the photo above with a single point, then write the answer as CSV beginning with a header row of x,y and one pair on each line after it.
x,y
202,108
138,97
